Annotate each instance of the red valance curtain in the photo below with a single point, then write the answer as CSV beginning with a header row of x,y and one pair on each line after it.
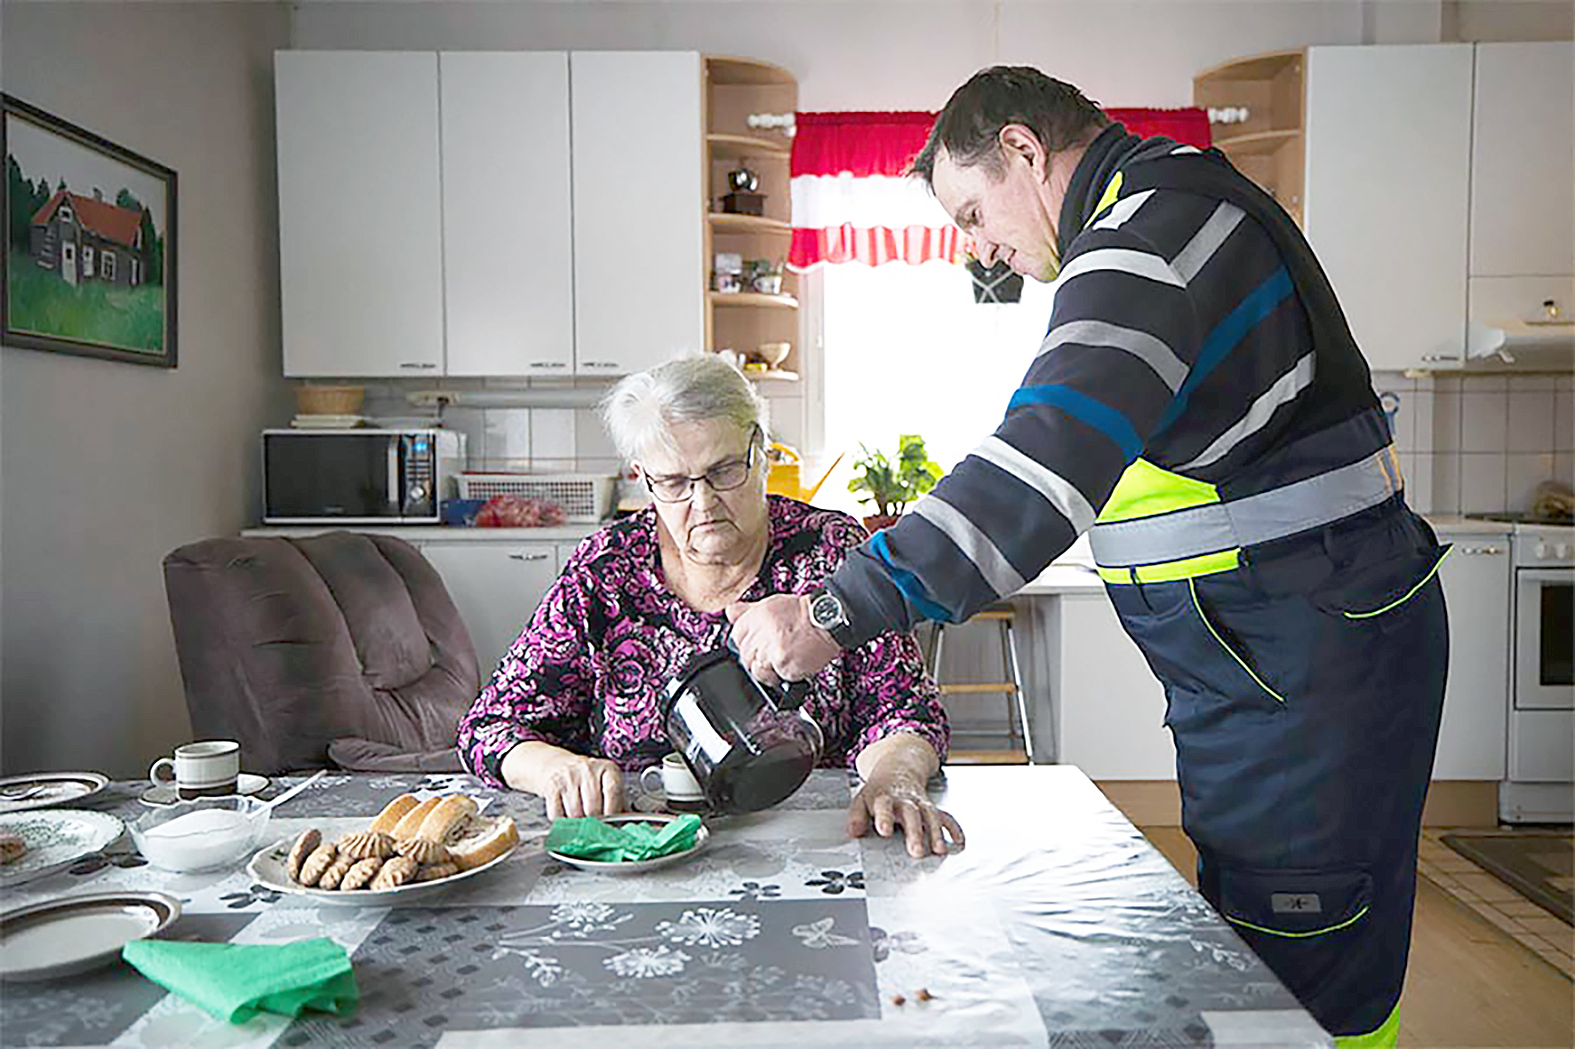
x,y
852,201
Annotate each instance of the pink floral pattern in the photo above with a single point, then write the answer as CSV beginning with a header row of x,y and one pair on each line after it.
x,y
587,674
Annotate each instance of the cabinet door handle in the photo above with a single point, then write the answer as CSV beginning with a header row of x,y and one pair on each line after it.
x,y
600,364
1436,358
549,364
419,365
527,557
1489,550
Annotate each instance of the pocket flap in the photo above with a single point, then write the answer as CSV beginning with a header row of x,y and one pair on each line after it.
x,y
1295,903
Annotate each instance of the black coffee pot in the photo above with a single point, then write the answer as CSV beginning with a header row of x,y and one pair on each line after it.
x,y
748,746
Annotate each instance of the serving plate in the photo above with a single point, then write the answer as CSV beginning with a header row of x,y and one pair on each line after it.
x,y
76,933
42,790
55,839
636,866
269,869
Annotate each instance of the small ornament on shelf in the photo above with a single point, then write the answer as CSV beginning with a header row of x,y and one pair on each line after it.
x,y
743,198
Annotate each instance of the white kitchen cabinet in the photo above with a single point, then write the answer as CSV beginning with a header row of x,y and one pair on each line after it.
x,y
507,283
1476,580
1110,709
360,243
1388,143
639,200
1523,161
496,586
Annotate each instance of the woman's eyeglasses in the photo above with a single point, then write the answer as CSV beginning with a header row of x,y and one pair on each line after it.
x,y
723,477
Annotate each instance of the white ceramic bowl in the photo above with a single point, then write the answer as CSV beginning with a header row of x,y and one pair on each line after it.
x,y
202,835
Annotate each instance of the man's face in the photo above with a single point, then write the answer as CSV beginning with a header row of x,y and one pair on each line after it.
x,y
1010,215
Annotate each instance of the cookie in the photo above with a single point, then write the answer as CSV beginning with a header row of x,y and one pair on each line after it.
x,y
366,845
436,871
360,874
394,873
335,873
316,862
424,851
308,841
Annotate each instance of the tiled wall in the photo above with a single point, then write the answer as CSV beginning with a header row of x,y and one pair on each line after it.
x,y
544,440
1480,443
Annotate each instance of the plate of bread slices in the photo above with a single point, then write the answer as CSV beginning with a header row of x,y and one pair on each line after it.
x,y
412,848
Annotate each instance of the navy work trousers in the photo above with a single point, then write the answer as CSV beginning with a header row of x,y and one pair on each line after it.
x,y
1304,691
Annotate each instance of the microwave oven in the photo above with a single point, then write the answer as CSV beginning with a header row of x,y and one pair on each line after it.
x,y
359,476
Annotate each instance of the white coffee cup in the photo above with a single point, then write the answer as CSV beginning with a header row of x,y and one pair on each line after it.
x,y
210,768
678,785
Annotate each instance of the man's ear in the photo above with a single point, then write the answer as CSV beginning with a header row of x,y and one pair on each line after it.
x,y
1018,142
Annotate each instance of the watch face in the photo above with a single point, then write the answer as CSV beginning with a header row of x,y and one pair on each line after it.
x,y
826,611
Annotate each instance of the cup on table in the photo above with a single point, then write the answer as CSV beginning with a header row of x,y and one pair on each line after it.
x,y
675,784
210,768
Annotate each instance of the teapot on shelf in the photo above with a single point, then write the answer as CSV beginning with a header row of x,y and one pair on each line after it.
x,y
785,475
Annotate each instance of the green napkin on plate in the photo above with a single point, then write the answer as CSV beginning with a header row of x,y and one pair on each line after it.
x,y
589,838
236,981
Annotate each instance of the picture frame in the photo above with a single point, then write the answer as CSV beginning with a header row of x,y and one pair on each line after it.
x,y
89,260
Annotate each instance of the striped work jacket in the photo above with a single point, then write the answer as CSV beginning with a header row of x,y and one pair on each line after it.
x,y
1191,327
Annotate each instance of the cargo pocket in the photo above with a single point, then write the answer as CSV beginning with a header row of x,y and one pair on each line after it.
x,y
1302,923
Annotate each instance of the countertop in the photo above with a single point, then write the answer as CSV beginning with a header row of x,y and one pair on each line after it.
x,y
437,533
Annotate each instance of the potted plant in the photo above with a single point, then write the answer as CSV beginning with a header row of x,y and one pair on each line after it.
x,y
893,485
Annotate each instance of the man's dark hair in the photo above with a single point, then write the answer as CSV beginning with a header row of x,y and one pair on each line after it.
x,y
967,128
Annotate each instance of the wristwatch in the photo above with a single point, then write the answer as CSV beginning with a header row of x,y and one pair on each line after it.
x,y
826,611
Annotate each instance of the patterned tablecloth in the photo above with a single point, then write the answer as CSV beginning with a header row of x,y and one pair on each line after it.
x,y
1058,925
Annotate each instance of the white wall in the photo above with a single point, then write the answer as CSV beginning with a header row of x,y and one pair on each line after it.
x,y
109,466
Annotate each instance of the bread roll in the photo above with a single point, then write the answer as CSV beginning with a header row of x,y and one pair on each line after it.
x,y
392,813
12,847
410,822
482,840
447,818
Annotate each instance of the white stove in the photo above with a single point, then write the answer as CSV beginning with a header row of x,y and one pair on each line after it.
x,y
1540,786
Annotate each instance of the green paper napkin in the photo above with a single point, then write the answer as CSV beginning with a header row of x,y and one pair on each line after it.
x,y
589,838
236,981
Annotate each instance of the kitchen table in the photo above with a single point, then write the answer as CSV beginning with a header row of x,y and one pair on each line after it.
x,y
1057,925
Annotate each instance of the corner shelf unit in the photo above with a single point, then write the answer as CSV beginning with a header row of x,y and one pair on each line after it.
x,y
735,89
1269,146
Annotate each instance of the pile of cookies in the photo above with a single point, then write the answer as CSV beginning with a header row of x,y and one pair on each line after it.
x,y
411,840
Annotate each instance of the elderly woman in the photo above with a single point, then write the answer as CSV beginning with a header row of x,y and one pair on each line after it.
x,y
576,701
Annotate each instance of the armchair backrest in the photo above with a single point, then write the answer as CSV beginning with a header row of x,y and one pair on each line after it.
x,y
289,644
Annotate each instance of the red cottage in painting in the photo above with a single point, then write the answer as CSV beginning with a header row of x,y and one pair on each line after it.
x,y
84,238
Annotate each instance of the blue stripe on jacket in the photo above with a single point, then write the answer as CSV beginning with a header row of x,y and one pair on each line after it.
x,y
1085,409
1227,335
909,583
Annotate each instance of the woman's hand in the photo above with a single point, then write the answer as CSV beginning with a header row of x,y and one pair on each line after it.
x,y
571,784
895,770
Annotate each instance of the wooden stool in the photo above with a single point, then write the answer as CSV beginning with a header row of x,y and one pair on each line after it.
x,y
1018,731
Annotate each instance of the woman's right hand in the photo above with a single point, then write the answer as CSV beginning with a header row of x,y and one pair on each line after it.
x,y
571,784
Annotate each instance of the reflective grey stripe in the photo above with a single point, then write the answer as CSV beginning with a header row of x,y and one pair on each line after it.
x,y
984,554
1057,490
1122,260
1285,389
1254,519
1207,240
1123,210
1149,349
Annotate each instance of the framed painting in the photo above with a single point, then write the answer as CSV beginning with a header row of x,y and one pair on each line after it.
x,y
89,263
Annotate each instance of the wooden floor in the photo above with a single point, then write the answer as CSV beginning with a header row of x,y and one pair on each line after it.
x,y
1469,985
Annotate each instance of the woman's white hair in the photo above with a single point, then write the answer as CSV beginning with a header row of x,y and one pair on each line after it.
x,y
640,410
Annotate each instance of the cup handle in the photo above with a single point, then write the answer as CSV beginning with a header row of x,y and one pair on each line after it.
x,y
153,773
647,785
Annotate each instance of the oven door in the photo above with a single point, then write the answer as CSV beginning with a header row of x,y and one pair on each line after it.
x,y
1544,639
332,476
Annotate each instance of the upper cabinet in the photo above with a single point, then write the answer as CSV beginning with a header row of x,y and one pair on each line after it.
x,y
1388,189
360,239
507,233
1432,180
507,214
638,133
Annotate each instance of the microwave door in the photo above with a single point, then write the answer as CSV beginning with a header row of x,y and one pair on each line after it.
x,y
338,476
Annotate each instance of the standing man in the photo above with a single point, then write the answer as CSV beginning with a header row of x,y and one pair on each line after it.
x,y
1200,408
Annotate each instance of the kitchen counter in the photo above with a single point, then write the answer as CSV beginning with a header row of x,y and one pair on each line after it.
x,y
571,533
1453,524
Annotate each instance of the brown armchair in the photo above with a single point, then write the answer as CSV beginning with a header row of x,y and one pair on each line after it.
x,y
342,648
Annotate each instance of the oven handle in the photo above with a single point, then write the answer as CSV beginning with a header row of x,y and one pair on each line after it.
x,y
1565,576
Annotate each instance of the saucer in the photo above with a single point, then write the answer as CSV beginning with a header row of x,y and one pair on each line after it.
x,y
246,783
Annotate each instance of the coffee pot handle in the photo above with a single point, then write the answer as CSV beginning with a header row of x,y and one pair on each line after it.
x,y
790,695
